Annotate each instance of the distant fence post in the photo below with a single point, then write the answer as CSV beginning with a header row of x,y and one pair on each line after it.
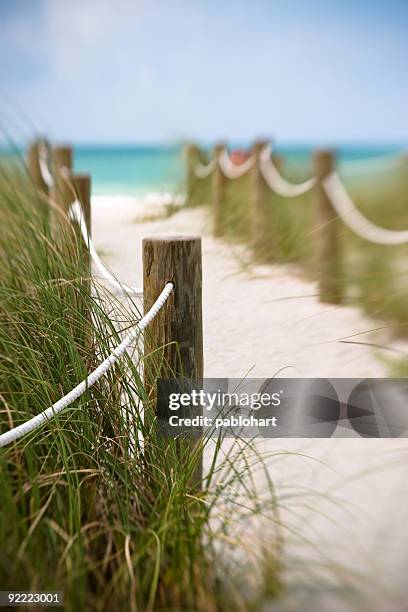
x,y
327,232
260,214
62,158
33,164
218,192
191,156
82,188
174,340
62,194
62,190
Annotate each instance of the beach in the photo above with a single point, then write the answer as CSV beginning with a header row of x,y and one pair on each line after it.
x,y
204,298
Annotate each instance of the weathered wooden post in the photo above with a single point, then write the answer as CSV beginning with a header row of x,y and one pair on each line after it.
x,y
260,213
62,196
327,232
34,152
218,192
278,161
174,341
62,158
403,171
81,184
82,189
192,153
62,191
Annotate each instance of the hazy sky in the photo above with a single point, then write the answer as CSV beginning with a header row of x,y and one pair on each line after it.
x,y
158,70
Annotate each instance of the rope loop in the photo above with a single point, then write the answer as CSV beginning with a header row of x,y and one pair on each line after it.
x,y
21,430
354,219
276,182
202,171
231,170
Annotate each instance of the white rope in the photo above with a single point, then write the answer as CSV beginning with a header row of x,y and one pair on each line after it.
x,y
64,402
43,164
276,182
202,171
231,170
75,213
354,219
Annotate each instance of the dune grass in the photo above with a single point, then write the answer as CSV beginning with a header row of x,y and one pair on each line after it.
x,y
95,502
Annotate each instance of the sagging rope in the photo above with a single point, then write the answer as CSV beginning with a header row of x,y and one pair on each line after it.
x,y
227,166
21,430
76,214
276,182
202,171
231,170
354,219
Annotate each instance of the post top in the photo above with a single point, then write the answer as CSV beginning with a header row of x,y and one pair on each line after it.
x,y
82,176
259,144
171,239
324,153
62,147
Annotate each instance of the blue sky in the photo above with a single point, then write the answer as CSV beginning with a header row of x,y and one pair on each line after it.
x,y
301,71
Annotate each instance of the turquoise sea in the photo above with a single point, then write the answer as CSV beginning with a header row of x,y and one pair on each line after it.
x,y
143,169
138,170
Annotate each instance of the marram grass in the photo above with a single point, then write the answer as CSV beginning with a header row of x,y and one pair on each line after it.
x,y
86,505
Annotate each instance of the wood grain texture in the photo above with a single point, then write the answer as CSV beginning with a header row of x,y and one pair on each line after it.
x,y
327,232
34,166
82,187
260,213
192,154
62,192
173,343
176,259
218,193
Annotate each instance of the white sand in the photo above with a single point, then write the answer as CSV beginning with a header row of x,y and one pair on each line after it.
x,y
263,320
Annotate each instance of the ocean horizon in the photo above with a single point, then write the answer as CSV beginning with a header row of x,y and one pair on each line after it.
x,y
139,170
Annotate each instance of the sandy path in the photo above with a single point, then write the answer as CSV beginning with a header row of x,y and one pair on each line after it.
x,y
262,320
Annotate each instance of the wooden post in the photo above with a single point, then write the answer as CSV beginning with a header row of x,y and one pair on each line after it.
x,y
62,158
62,191
218,192
82,188
174,340
403,172
81,184
327,232
33,155
62,196
260,213
192,154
